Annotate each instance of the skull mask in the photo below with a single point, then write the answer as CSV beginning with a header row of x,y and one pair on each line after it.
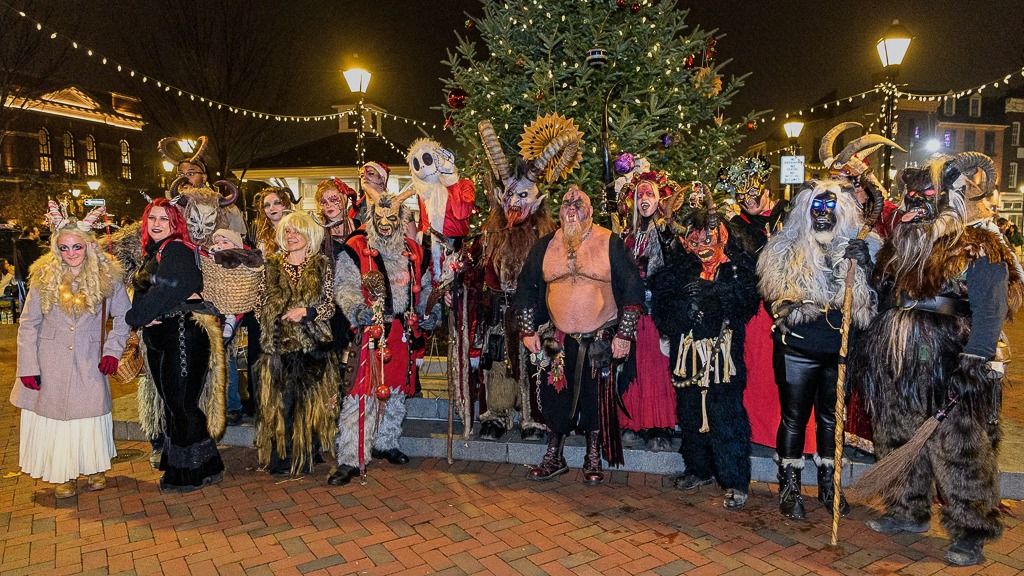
x,y
201,207
708,245
430,162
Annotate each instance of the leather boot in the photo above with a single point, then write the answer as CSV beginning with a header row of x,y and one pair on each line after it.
x,y
553,463
826,488
592,474
791,501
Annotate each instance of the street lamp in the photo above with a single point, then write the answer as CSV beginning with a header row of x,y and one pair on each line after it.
x,y
891,47
76,192
93,185
186,145
793,129
358,80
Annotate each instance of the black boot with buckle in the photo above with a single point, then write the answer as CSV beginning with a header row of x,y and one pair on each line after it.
x,y
791,501
826,486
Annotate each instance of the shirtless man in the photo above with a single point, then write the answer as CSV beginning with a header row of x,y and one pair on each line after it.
x,y
578,301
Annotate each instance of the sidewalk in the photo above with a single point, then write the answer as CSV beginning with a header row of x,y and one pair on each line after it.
x,y
428,517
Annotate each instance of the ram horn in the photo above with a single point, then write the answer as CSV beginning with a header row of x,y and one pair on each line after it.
x,y
859,144
169,151
493,151
968,162
172,193
406,192
200,149
829,139
232,192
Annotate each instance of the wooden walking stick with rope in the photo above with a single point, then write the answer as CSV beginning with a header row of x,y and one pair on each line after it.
x,y
874,191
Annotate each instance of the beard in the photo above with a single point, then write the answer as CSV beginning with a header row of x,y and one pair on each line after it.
x,y
824,237
573,234
912,243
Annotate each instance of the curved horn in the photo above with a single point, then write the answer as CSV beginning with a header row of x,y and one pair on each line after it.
x,y
406,192
825,150
968,162
201,143
493,151
232,192
168,149
172,193
92,219
865,141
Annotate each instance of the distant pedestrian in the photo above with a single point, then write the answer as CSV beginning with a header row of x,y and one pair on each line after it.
x,y
26,251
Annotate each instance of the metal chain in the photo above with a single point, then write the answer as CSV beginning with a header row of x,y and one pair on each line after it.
x,y
181,345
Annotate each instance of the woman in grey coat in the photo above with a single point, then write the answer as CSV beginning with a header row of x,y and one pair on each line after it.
x,y
62,388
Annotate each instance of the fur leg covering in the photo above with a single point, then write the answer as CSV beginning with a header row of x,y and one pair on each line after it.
x,y
346,443
502,391
150,404
696,447
730,436
213,401
390,429
966,472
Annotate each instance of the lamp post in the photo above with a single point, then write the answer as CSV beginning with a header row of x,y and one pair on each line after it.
x,y
358,79
793,128
891,47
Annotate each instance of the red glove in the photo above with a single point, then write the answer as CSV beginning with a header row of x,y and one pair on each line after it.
x,y
108,365
31,382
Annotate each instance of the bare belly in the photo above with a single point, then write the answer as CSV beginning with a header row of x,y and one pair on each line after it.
x,y
583,306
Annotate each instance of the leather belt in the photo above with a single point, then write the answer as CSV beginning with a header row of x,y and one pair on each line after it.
x,y
936,304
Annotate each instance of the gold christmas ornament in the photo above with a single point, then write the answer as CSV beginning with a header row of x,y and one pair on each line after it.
x,y
554,143
707,81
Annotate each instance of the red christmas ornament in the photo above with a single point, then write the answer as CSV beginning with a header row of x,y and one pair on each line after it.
x,y
620,4
470,24
457,98
689,61
751,126
635,8
383,392
386,354
375,331
449,123
710,50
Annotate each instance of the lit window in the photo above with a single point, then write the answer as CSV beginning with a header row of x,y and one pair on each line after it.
x,y
70,165
949,106
45,152
126,160
1011,176
92,162
948,139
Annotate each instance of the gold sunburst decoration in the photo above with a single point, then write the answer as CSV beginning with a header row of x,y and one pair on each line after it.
x,y
554,145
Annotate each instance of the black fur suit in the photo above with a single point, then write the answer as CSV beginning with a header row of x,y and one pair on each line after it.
x,y
910,364
724,451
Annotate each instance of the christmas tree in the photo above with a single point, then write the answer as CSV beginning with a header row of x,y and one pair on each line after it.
x,y
666,95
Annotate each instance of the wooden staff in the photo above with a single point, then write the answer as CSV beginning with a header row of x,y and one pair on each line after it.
x,y
451,381
874,190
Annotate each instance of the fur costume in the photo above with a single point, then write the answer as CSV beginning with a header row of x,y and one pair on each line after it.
x,y
299,365
802,277
382,289
948,289
709,317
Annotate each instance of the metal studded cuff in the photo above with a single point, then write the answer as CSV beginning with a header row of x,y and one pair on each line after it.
x,y
527,321
628,322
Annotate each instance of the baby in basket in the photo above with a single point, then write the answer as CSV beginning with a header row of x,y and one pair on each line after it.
x,y
229,251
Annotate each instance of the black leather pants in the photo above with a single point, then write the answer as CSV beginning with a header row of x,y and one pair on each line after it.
x,y
805,380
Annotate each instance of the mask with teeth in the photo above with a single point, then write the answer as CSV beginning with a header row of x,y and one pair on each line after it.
x,y
823,211
708,244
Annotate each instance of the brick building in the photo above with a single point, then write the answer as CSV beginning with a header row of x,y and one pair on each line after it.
x,y
78,144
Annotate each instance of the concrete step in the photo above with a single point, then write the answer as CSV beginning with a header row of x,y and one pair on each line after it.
x,y
425,436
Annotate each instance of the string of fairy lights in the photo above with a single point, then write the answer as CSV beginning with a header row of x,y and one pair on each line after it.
x,y
174,89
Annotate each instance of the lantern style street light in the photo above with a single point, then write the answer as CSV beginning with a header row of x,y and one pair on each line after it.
x,y
793,128
93,185
358,80
892,48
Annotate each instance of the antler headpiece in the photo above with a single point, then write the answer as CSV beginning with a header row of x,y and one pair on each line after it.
x,y
59,218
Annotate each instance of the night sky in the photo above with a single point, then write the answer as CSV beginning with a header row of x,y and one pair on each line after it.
x,y
797,51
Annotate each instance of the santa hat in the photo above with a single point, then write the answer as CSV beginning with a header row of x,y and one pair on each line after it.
x,y
381,169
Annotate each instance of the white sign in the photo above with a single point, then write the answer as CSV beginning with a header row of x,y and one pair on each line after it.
x,y
791,170
95,202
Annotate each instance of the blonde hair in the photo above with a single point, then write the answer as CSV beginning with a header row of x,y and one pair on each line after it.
x,y
96,278
304,224
265,235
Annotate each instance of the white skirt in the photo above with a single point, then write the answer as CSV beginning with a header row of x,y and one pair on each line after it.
x,y
62,450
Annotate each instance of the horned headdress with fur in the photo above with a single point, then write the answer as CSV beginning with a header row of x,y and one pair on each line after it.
x,y
201,206
550,149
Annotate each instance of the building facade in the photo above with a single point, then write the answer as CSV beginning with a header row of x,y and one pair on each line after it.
x,y
78,145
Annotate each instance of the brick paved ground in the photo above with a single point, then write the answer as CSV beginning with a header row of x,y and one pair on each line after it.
x,y
431,518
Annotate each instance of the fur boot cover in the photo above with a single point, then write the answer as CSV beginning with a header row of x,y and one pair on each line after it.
x,y
299,367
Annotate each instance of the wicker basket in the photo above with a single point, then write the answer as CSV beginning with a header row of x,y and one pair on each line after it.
x,y
230,290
